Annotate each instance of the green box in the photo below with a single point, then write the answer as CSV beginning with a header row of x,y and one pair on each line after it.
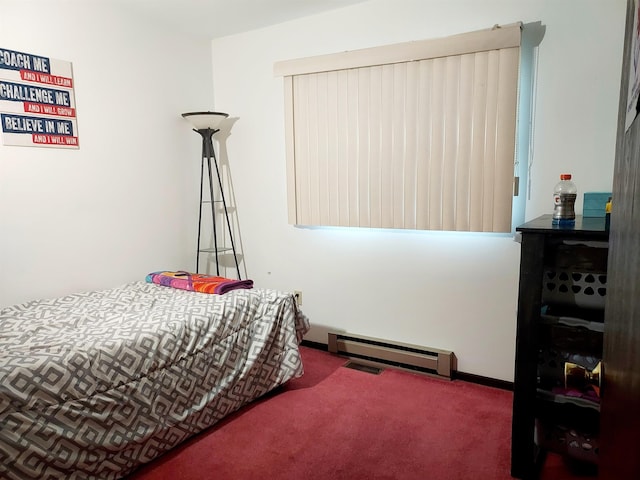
x,y
595,203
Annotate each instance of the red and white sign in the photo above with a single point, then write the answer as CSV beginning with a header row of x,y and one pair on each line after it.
x,y
37,101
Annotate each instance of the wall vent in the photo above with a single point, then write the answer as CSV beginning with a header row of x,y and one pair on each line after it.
x,y
376,352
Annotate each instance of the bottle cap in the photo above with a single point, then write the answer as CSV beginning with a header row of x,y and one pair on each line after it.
x,y
565,176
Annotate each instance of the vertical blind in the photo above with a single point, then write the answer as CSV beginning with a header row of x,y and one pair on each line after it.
x,y
419,135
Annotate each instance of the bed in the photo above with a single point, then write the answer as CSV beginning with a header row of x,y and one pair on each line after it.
x,y
94,384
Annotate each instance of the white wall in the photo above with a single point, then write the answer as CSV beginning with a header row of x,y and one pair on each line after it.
x,y
452,291
125,203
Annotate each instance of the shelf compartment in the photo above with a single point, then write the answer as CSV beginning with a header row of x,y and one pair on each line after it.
x,y
551,364
575,274
567,426
588,257
563,399
572,287
578,414
567,441
571,334
572,315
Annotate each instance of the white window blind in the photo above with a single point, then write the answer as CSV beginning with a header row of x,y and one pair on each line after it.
x,y
419,135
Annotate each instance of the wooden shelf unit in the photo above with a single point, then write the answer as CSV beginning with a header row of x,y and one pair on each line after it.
x,y
561,300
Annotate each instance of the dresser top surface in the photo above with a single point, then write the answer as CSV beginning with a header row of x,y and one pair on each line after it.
x,y
591,226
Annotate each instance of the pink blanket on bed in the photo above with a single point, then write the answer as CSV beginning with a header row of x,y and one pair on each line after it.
x,y
196,282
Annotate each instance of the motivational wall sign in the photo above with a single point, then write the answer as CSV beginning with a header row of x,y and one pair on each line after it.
x,y
37,102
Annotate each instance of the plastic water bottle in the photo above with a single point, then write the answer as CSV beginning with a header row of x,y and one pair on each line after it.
x,y
564,200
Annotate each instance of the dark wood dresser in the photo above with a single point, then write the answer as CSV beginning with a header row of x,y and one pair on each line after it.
x,y
559,342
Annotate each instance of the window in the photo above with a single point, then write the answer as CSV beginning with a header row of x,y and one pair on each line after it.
x,y
418,135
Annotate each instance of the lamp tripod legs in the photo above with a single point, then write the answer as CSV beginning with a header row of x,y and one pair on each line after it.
x,y
208,153
200,216
226,215
213,216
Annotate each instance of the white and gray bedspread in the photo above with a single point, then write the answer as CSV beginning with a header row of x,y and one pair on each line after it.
x,y
94,384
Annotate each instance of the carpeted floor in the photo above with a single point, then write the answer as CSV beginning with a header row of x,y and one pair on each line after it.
x,y
341,423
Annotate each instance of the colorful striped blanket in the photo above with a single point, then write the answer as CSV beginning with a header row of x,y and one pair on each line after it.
x,y
197,282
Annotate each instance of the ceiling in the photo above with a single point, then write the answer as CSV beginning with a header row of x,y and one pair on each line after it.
x,y
218,18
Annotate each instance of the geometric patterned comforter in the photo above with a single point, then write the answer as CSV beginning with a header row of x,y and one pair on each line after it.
x,y
94,384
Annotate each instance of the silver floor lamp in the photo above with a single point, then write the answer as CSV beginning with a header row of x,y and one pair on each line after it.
x,y
206,124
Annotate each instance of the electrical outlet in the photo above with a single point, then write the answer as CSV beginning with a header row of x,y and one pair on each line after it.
x,y
297,294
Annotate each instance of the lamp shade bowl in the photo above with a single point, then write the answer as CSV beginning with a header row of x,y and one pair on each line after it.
x,y
204,120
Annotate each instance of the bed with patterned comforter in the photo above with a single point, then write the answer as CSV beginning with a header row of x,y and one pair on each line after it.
x,y
94,384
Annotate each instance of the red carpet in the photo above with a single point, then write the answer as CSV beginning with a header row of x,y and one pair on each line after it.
x,y
340,423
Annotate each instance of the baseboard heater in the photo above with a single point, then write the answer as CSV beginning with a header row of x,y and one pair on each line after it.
x,y
376,352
